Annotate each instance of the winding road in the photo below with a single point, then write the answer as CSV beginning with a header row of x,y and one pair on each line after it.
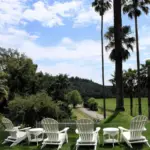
x,y
90,113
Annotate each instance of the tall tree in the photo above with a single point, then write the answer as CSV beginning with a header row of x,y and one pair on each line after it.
x,y
127,41
20,69
59,87
134,9
101,6
118,54
3,90
130,82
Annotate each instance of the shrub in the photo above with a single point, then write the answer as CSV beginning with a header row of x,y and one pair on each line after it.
x,y
74,98
85,103
33,108
92,105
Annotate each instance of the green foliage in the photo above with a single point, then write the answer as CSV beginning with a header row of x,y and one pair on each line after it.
x,y
92,104
130,80
127,41
74,98
33,108
3,91
148,62
135,7
101,7
20,70
59,87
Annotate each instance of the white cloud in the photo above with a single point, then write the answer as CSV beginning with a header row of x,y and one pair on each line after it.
x,y
15,12
15,38
51,15
87,16
11,12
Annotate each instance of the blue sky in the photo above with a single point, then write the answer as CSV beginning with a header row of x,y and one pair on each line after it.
x,y
63,36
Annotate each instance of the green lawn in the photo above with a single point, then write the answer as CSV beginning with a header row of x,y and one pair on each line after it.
x,y
111,104
121,119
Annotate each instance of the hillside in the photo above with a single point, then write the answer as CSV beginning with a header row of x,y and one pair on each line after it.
x,y
88,88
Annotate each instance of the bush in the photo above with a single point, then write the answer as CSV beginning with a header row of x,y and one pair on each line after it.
x,y
74,98
85,103
92,105
28,110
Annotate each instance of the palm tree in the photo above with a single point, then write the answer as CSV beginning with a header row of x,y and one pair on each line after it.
x,y
134,9
127,42
101,6
118,54
129,82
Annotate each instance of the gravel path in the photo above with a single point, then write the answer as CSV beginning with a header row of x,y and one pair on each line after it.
x,y
92,114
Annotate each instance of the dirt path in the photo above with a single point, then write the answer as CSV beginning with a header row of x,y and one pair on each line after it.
x,y
92,114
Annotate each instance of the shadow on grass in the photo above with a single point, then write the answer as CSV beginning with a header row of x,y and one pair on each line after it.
x,y
109,119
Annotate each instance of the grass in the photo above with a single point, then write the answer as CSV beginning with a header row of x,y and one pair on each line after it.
x,y
115,120
111,104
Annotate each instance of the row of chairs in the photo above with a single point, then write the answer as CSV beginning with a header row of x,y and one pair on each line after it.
x,y
85,129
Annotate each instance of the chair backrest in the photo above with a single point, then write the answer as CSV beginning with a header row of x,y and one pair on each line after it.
x,y
9,127
51,129
85,128
137,126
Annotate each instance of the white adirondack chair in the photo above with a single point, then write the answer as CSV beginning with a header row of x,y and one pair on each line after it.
x,y
16,135
87,135
54,136
134,134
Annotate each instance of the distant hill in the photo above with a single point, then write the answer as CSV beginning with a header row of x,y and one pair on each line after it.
x,y
88,88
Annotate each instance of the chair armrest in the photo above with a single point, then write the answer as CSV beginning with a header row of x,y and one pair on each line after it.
x,y
97,130
122,129
77,132
17,127
25,129
144,129
64,130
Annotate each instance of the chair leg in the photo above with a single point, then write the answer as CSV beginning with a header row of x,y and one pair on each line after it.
x,y
28,142
95,147
98,139
147,144
43,145
66,138
60,145
17,141
4,142
121,138
77,146
129,144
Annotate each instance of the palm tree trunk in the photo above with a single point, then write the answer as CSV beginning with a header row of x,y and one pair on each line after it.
x,y
103,80
138,65
149,92
131,105
118,55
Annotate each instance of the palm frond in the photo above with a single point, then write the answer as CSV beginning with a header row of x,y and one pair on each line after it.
x,y
145,9
101,6
112,55
125,54
127,42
